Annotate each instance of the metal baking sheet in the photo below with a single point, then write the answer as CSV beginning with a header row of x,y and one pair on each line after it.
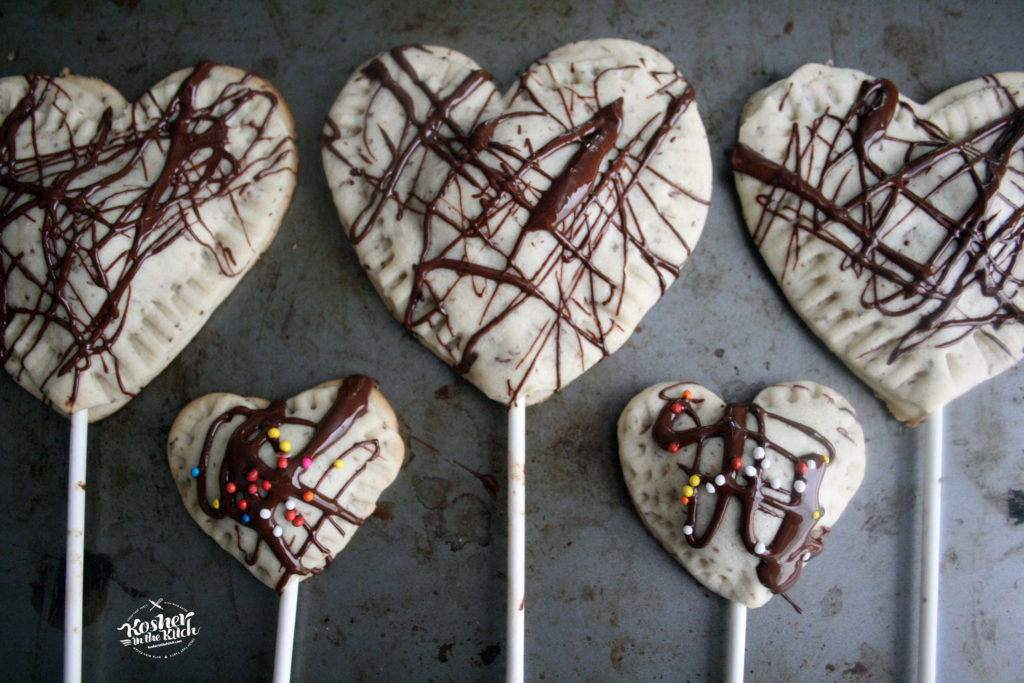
x,y
419,593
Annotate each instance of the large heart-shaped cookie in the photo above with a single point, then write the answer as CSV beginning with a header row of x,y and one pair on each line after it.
x,y
124,225
741,495
895,229
522,236
283,486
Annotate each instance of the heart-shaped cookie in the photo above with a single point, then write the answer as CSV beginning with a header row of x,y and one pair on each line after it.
x,y
283,486
895,229
522,236
741,495
124,225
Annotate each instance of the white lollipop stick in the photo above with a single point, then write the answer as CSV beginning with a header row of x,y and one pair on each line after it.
x,y
516,606
737,643
285,632
932,501
74,567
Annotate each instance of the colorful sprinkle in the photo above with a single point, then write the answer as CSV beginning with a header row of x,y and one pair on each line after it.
x,y
737,463
253,489
194,471
673,447
720,480
688,530
230,487
264,513
285,446
827,459
759,453
694,480
687,394
676,408
766,463
265,485
811,464
799,485
759,548
298,521
308,496
688,491
215,503
273,432
801,468
278,531
684,500
245,519
307,463
242,504
750,471
290,515
816,514
252,475
282,462
776,483
338,464
710,487
289,505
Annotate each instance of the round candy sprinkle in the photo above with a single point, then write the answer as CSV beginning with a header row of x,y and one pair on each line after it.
x,y
687,394
285,446
215,503
194,471
264,513
273,432
290,515
253,489
694,480
245,519
807,557
252,475
812,465
759,548
776,483
687,530
816,514
278,531
688,491
710,487
758,453
801,467
736,463
298,521
289,505
242,504
308,496
684,500
766,463
673,447
282,462
720,480
750,471
338,464
799,485
307,463
676,408
230,487
265,485
827,459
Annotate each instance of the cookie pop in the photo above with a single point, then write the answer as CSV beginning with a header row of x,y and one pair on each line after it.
x,y
521,237
895,230
122,227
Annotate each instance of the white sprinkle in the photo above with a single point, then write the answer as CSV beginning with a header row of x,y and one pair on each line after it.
x,y
766,463
799,485
812,465
289,505
265,513
807,557
278,531
777,483
750,470
758,453
720,480
759,548
710,487
687,529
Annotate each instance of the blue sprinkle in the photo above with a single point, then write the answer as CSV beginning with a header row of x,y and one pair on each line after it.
x,y
195,471
245,519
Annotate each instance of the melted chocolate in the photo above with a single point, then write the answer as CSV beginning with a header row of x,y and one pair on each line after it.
x,y
77,219
579,207
793,543
242,456
979,252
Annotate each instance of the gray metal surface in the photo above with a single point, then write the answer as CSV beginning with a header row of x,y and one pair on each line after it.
x,y
419,594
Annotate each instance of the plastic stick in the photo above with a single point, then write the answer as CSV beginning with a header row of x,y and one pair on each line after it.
x,y
74,567
931,514
285,632
516,605
737,643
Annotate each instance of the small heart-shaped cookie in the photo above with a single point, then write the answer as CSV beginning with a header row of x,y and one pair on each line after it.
x,y
283,486
741,495
520,237
124,225
895,229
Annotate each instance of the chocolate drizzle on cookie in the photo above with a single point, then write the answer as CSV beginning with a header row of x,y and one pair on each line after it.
x,y
71,182
261,492
489,183
974,252
740,478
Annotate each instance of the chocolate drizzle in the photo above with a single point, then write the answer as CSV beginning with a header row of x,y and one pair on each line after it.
x,y
94,222
242,456
976,251
796,539
592,199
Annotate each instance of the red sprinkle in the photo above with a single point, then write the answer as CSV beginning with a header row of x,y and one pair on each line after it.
x,y
687,394
253,489
298,521
290,515
684,500
676,408
265,484
673,447
737,463
282,463
242,504
253,475
801,468
307,496
230,487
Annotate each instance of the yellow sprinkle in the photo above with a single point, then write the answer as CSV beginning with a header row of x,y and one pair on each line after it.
x,y
816,514
273,432
688,491
285,446
694,480
215,503
827,459
338,464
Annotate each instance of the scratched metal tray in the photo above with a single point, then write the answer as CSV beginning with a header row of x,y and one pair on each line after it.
x,y
419,594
